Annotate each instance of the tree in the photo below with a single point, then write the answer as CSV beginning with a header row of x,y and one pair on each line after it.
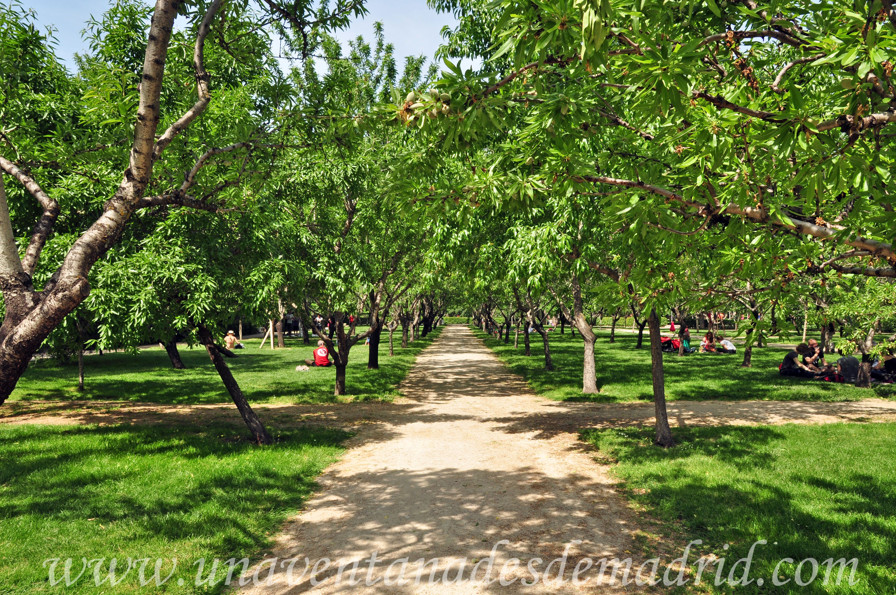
x,y
161,170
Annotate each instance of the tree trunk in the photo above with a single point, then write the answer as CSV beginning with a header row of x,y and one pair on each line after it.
x,y
663,431
580,322
589,370
613,329
805,323
641,326
526,342
391,348
340,380
81,368
548,363
516,337
863,379
748,347
306,324
259,433
404,334
829,343
373,356
280,342
507,324
174,354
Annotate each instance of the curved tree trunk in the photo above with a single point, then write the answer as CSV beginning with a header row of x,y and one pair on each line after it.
x,y
259,433
173,354
613,327
663,431
580,321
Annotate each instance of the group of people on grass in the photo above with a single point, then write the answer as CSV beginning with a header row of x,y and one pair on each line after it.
x,y
711,342
807,361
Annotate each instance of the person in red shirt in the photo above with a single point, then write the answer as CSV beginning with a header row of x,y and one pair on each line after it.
x,y
321,356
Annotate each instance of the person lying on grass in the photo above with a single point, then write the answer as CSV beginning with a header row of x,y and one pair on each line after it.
x,y
321,356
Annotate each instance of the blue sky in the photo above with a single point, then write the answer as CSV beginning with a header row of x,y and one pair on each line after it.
x,y
410,25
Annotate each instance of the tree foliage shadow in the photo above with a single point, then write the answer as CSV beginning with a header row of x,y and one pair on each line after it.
x,y
801,515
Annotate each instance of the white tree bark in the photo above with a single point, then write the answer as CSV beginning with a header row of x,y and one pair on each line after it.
x,y
10,263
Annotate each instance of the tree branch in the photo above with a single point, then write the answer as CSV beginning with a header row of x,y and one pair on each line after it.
x,y
735,36
852,124
10,263
776,85
761,215
202,80
723,103
44,226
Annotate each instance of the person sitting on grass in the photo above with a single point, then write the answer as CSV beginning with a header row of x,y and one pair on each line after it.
x,y
815,359
321,356
725,346
792,364
231,342
848,369
708,345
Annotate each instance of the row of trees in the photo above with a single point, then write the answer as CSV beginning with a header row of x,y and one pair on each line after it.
x,y
642,155
246,190
666,153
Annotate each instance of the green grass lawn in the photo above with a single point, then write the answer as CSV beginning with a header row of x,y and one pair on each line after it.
x,y
265,376
810,491
145,492
623,373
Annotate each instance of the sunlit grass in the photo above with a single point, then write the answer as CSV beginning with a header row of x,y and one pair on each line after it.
x,y
265,376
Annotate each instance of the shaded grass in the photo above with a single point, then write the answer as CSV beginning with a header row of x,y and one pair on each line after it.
x,y
623,373
265,376
810,491
146,492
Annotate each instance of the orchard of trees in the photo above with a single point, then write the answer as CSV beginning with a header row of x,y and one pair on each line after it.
x,y
603,158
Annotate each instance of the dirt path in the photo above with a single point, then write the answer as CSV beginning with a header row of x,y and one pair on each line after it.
x,y
444,479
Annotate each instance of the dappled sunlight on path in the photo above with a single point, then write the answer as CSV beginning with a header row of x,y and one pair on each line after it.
x,y
449,482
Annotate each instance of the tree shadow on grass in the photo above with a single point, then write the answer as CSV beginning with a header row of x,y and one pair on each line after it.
x,y
748,494
150,491
264,376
